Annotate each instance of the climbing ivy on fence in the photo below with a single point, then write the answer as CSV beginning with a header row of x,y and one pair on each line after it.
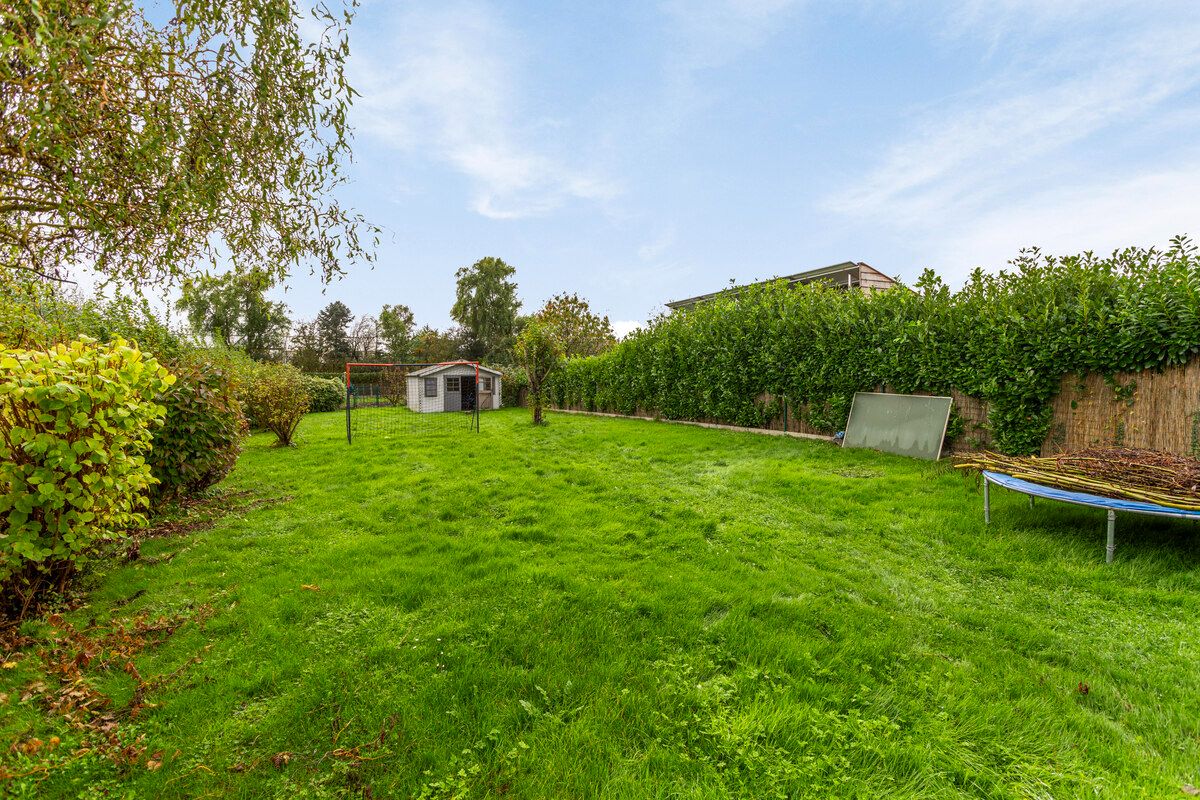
x,y
1007,338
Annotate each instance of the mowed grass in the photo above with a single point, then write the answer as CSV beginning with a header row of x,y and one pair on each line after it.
x,y
619,608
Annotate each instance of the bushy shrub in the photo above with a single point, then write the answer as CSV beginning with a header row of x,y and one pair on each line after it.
x,y
76,423
238,368
276,399
36,314
514,387
201,436
324,394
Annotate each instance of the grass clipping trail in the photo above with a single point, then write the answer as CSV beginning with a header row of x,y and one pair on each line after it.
x,y
1119,472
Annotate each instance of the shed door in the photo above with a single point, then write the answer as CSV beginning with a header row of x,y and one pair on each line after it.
x,y
453,384
468,393
487,385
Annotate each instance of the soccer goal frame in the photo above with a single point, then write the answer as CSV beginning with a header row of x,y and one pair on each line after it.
x,y
379,399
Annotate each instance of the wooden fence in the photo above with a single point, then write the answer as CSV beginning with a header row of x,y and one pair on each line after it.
x,y
1159,410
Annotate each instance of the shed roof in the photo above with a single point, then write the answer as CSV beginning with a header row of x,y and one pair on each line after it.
x,y
436,368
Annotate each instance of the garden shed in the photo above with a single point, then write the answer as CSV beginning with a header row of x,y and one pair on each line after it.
x,y
452,387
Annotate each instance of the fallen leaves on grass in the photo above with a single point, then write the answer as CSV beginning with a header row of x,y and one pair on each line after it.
x,y
65,690
197,514
312,587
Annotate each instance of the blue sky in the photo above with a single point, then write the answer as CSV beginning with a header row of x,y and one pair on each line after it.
x,y
641,152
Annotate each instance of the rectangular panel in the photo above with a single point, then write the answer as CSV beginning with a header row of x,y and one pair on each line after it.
x,y
905,424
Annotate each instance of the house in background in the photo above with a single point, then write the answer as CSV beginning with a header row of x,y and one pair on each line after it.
x,y
847,275
451,387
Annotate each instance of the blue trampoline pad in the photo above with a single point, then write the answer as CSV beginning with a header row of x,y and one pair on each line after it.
x,y
1084,499
1111,504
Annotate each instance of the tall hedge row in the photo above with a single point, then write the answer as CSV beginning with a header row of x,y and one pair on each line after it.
x,y
1007,338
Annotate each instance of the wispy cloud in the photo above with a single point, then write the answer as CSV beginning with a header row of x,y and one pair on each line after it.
x,y
1021,141
653,250
704,35
446,83
996,20
954,155
710,33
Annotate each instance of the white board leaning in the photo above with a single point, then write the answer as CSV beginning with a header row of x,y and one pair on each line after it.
x,y
905,424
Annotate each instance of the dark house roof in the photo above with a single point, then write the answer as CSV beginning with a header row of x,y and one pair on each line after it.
x,y
847,275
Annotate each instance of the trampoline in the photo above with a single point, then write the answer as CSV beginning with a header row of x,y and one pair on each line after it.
x,y
1110,504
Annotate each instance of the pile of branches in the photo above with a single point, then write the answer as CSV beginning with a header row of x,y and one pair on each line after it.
x,y
1119,472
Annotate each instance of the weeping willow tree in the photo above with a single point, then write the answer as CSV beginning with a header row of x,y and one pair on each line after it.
x,y
147,149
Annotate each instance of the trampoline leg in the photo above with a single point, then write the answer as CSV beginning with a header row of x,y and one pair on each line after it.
x,y
987,502
1031,501
1112,531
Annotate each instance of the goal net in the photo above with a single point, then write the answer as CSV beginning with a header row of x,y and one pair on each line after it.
x,y
386,400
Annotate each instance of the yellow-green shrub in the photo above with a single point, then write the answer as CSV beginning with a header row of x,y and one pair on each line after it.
x,y
76,422
277,399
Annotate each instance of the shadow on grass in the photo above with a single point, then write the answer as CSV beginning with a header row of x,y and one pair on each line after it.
x,y
1175,541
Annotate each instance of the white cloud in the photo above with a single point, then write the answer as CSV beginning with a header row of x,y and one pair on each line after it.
x,y
1142,209
624,327
703,35
955,155
713,32
446,83
994,20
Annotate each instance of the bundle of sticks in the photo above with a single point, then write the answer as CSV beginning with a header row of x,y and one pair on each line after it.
x,y
1121,472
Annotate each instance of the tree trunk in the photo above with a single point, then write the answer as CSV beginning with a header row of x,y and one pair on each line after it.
x,y
535,401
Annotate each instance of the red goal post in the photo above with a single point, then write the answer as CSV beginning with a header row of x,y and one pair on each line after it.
x,y
380,400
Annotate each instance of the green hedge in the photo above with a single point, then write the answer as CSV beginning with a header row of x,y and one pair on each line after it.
x,y
1006,338
513,384
365,377
201,437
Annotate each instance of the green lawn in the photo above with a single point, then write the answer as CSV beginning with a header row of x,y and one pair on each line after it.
x,y
619,608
